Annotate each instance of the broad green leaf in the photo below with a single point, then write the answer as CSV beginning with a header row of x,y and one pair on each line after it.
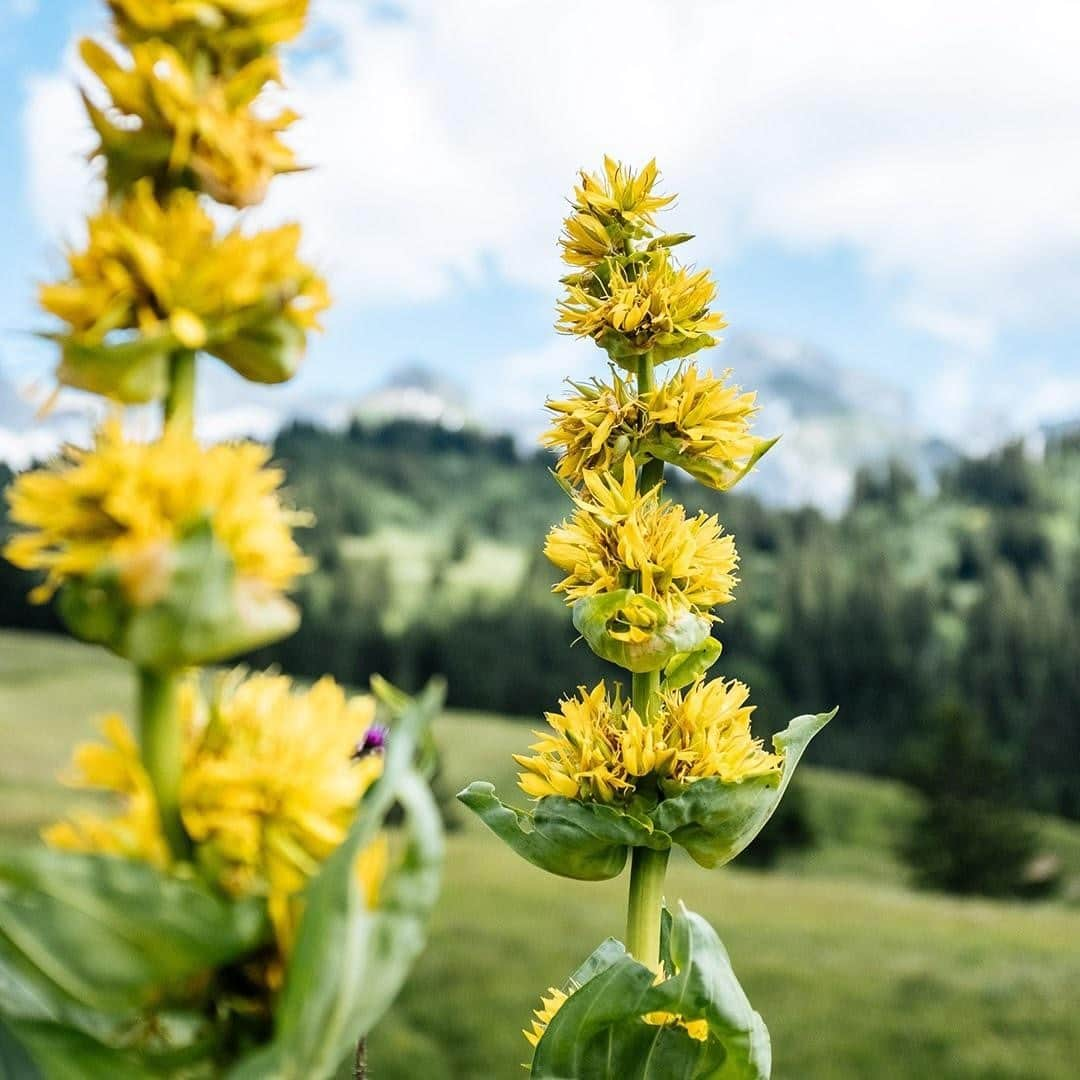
x,y
36,1050
702,986
108,933
350,961
595,618
581,840
715,820
600,1032
15,1060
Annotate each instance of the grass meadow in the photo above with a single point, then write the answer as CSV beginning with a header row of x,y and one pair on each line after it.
x,y
856,975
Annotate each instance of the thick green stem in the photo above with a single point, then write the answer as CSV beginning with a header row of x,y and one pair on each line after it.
x,y
644,689
180,400
162,746
647,869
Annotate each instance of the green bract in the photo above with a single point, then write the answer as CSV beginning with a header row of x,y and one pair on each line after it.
x,y
590,841
595,617
665,347
720,475
207,614
261,344
600,1033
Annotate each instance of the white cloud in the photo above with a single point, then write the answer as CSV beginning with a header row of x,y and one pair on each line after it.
x,y
970,333
937,142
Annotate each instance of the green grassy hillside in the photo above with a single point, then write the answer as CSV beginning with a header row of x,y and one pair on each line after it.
x,y
856,976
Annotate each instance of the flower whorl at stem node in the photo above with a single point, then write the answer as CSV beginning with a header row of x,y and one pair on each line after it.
x,y
618,535
693,420
269,788
184,131
156,277
600,748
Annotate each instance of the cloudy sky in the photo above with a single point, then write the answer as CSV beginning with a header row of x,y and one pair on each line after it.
x,y
897,184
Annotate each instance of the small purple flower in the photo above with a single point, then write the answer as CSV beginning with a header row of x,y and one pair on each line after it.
x,y
373,742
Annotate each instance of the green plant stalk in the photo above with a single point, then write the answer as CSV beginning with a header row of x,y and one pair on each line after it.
x,y
180,400
161,740
647,868
162,748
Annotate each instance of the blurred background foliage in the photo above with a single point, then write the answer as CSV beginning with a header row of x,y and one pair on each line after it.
x,y
945,623
428,542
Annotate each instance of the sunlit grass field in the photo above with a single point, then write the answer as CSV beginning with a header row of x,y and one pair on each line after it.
x,y
857,976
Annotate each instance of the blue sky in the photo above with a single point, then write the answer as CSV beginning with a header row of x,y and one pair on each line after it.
x,y
897,185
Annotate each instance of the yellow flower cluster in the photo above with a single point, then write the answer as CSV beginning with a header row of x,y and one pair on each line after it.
x,y
601,749
134,829
125,504
628,294
229,32
694,420
199,133
619,538
161,269
270,787
645,306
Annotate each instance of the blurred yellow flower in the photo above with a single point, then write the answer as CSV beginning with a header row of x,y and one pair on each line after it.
x,y
134,830
624,539
651,306
184,131
230,32
271,784
161,272
125,505
600,749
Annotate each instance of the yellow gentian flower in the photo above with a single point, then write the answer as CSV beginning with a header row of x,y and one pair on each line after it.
x,y
600,749
624,538
161,272
621,193
694,420
185,131
653,306
271,783
125,505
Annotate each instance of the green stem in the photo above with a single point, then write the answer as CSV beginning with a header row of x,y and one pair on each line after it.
x,y
647,869
644,688
162,746
180,400
652,472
